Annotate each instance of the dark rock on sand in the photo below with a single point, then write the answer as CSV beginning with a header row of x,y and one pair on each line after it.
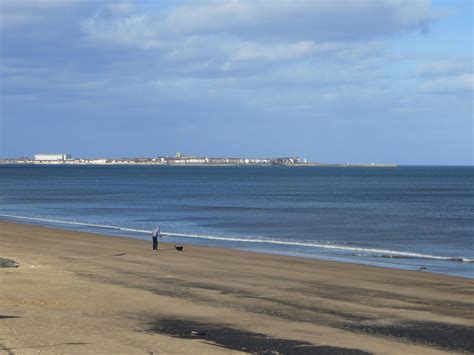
x,y
7,263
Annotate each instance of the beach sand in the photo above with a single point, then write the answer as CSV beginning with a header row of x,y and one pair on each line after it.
x,y
84,293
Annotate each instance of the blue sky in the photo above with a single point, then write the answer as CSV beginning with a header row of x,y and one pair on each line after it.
x,y
333,81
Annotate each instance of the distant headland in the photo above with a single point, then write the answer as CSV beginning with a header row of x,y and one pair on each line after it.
x,y
177,160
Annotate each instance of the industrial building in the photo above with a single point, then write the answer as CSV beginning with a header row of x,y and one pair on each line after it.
x,y
52,157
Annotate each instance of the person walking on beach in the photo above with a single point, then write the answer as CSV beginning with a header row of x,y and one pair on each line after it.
x,y
154,236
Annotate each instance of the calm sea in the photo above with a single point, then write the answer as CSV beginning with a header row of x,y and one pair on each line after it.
x,y
404,217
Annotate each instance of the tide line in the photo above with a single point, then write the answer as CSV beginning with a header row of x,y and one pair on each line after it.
x,y
382,252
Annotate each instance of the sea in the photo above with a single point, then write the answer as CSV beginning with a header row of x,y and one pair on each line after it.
x,y
407,217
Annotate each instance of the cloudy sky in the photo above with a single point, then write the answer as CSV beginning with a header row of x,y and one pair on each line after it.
x,y
333,81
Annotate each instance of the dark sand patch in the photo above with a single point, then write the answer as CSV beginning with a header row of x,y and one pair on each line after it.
x,y
446,336
242,340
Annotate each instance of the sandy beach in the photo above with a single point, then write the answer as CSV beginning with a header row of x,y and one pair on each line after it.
x,y
84,293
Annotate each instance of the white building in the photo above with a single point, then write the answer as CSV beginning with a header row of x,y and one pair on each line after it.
x,y
52,157
100,161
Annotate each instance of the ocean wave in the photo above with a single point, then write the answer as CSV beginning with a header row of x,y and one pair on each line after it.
x,y
403,255
371,252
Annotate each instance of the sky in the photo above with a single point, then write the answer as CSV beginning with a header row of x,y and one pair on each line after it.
x,y
345,81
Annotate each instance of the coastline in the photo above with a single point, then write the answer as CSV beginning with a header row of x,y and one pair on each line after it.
x,y
299,165
81,292
124,232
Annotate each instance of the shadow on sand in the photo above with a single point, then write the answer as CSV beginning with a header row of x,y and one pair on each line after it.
x,y
446,336
241,340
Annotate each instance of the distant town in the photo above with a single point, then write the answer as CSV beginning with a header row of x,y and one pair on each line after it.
x,y
178,159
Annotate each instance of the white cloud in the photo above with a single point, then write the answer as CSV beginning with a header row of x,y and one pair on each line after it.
x,y
121,7
148,54
300,53
261,20
17,13
450,84
30,4
445,68
245,51
303,19
135,31
452,76
226,36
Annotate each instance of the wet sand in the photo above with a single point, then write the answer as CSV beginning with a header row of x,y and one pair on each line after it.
x,y
84,293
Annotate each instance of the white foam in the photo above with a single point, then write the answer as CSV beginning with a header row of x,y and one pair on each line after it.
x,y
76,223
254,240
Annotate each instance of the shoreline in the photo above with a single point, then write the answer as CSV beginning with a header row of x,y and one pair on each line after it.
x,y
51,223
82,292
